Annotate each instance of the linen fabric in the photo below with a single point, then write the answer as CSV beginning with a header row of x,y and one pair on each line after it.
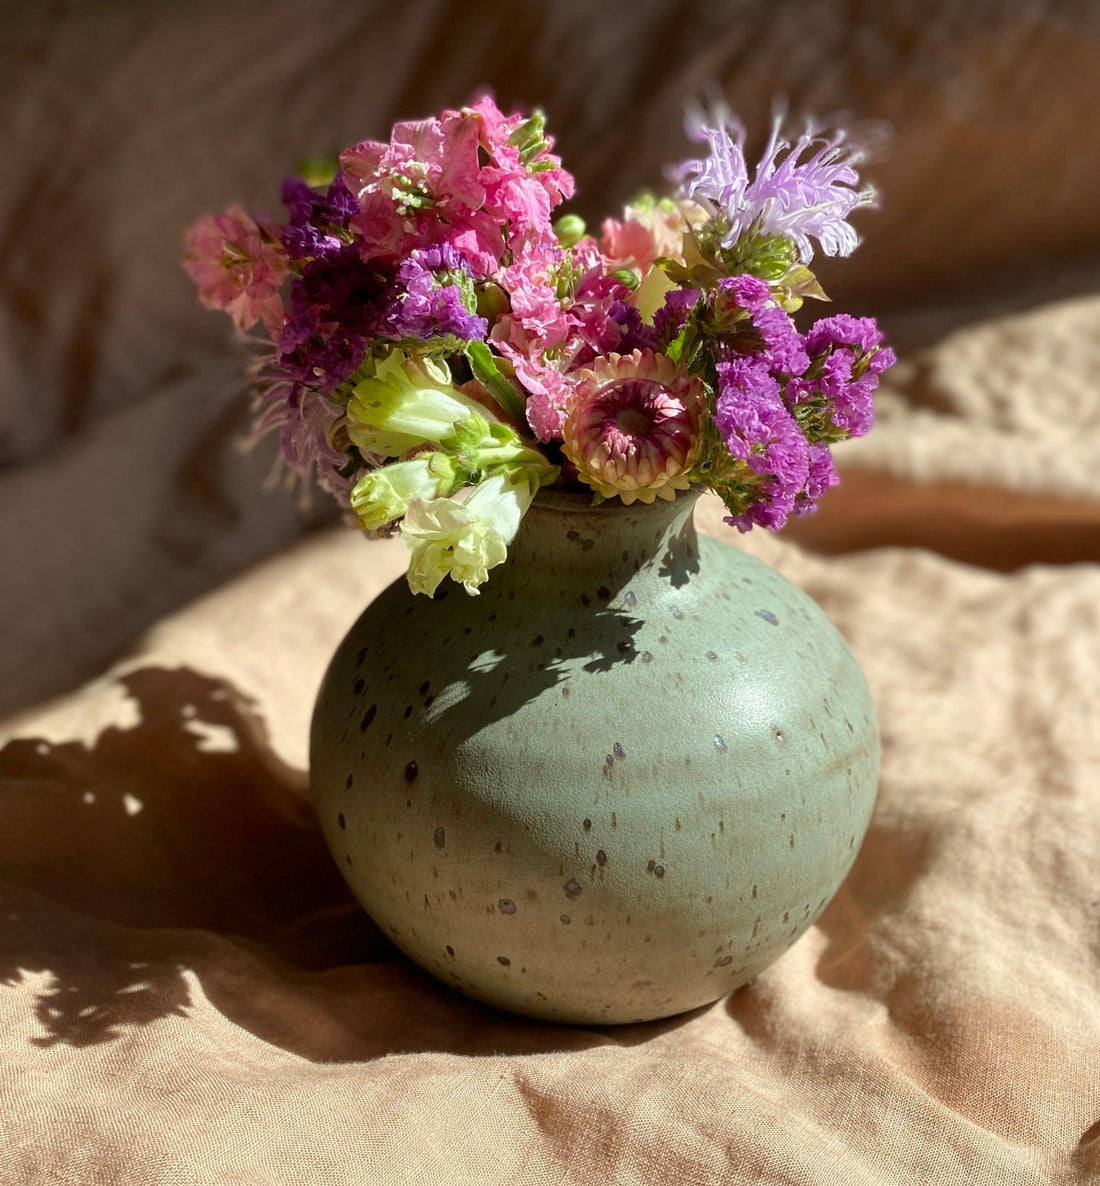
x,y
189,997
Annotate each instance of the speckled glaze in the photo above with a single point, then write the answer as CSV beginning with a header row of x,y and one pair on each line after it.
x,y
613,787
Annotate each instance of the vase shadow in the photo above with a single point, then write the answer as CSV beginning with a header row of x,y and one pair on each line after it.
x,y
180,850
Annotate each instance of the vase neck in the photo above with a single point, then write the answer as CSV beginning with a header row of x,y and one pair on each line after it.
x,y
609,546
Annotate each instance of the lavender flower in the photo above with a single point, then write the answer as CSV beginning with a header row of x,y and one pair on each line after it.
x,y
799,199
306,423
315,218
822,474
636,335
669,319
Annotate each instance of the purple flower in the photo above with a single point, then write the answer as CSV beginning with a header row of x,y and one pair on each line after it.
x,y
314,217
636,335
858,333
306,422
801,199
779,341
434,292
822,474
335,306
669,319
834,399
760,433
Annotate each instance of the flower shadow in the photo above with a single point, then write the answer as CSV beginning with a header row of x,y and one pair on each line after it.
x,y
174,866
471,663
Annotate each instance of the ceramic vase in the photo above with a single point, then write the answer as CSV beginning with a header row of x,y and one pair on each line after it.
x,y
615,785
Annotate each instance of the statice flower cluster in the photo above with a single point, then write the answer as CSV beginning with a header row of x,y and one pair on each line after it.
x,y
442,342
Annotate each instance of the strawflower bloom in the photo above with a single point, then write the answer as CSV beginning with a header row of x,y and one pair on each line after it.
x,y
634,426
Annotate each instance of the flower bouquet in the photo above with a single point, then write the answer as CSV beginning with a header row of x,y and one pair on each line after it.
x,y
441,347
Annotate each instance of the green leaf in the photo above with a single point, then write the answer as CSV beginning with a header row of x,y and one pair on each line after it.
x,y
794,287
485,369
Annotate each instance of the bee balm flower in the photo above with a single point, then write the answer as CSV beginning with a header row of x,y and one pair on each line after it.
x,y
634,426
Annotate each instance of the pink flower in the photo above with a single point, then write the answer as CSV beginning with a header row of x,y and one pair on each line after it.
x,y
635,426
237,268
457,180
649,231
423,189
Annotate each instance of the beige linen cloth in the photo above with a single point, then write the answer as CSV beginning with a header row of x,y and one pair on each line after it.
x,y
189,998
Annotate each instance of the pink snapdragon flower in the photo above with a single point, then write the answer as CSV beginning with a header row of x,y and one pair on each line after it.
x,y
562,317
458,180
237,268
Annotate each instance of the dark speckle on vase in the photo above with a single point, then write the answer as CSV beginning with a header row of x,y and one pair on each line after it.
x,y
506,906
618,751
504,961
572,888
767,616
440,838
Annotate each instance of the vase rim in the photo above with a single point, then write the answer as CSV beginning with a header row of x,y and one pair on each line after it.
x,y
558,498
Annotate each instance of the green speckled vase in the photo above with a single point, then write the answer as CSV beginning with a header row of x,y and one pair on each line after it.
x,y
616,785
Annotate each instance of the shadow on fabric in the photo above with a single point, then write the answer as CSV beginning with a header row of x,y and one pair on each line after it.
x,y
181,852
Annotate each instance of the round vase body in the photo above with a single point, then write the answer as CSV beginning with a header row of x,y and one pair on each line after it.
x,y
614,786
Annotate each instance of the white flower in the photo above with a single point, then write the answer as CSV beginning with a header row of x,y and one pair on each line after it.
x,y
407,403
383,495
466,539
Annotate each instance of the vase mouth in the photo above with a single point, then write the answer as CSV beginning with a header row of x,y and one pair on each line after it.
x,y
580,501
